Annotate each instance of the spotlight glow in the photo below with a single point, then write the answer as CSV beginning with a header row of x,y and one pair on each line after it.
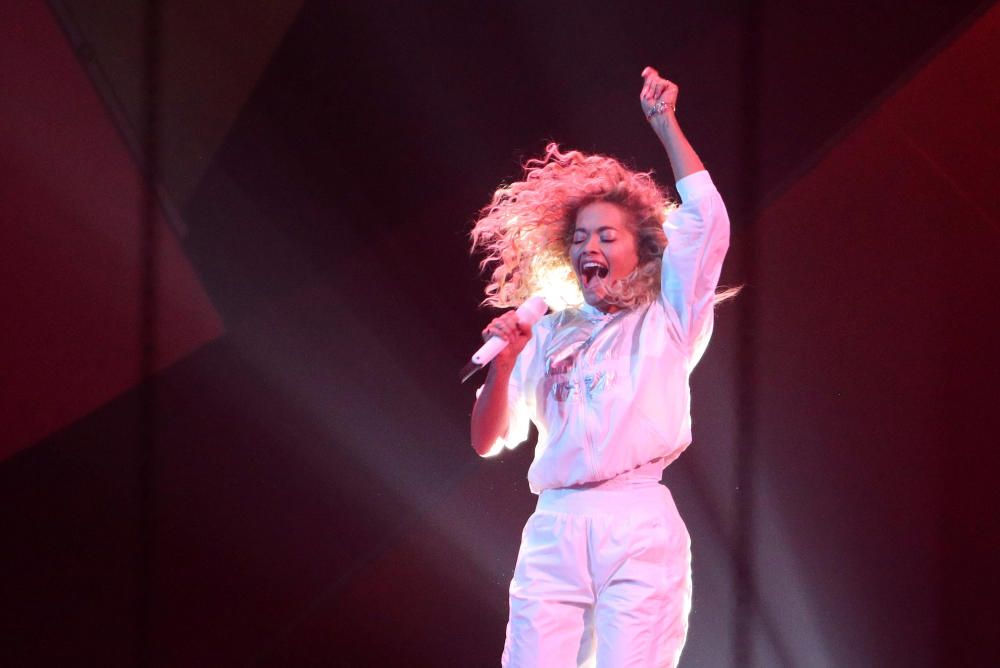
x,y
557,284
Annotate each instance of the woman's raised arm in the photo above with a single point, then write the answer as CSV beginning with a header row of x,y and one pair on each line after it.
x,y
659,104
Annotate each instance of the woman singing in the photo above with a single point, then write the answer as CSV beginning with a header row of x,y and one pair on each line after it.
x,y
604,568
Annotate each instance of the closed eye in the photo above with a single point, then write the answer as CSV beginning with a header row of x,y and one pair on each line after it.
x,y
580,237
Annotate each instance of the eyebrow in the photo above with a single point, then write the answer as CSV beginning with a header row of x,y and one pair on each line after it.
x,y
605,228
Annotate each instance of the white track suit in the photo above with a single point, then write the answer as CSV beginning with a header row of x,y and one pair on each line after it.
x,y
609,562
605,558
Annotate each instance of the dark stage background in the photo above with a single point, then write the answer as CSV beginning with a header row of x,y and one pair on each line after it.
x,y
311,497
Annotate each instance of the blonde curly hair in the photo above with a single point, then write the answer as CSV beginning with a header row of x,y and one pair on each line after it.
x,y
526,230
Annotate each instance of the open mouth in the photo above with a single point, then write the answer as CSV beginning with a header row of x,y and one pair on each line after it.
x,y
590,270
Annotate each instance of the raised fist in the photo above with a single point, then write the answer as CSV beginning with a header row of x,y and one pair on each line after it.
x,y
658,95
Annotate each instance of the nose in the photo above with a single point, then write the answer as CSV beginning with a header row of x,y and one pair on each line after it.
x,y
592,243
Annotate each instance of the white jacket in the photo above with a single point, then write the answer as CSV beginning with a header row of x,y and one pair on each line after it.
x,y
609,392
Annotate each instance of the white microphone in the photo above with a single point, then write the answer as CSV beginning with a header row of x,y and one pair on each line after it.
x,y
527,313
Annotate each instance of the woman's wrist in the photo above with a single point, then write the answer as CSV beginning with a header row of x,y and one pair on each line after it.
x,y
499,370
665,125
661,106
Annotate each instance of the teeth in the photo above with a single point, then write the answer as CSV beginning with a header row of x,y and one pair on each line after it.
x,y
591,269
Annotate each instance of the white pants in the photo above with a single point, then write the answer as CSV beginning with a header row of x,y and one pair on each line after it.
x,y
603,574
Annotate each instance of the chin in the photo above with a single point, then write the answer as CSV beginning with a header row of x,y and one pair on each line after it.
x,y
594,300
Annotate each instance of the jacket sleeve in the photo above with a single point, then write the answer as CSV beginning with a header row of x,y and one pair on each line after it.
x,y
697,240
518,411
517,406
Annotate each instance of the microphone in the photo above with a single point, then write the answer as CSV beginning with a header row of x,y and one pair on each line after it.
x,y
528,314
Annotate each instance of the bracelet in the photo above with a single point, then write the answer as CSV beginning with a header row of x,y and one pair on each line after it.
x,y
658,109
